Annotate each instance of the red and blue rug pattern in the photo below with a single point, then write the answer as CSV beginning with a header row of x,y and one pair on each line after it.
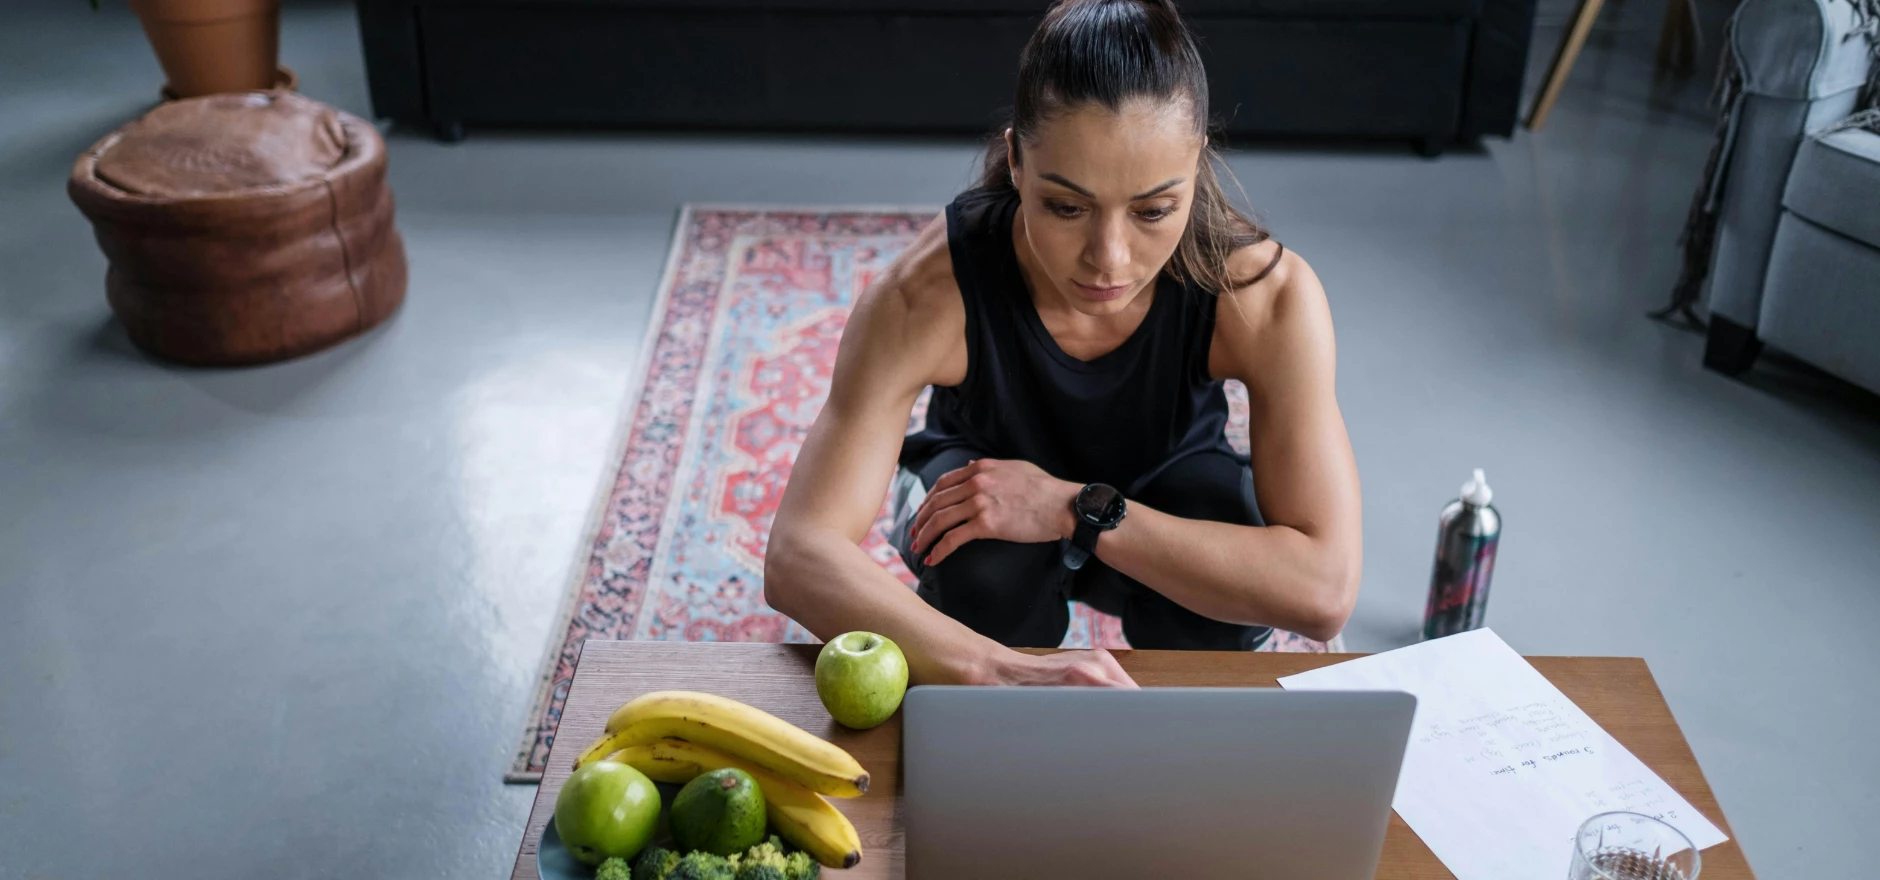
x,y
736,364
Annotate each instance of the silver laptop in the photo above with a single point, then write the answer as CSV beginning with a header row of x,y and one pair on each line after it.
x,y
1192,783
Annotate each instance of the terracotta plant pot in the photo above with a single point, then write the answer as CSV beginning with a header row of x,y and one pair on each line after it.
x,y
208,47
285,80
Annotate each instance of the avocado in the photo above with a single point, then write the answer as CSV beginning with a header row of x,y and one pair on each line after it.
x,y
721,812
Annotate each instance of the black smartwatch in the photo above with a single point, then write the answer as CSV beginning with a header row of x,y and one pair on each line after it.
x,y
1098,508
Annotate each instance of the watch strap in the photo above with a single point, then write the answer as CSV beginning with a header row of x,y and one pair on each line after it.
x,y
1082,545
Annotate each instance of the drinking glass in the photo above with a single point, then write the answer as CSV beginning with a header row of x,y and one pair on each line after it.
x,y
1632,846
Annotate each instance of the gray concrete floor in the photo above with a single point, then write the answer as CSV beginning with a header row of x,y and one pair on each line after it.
x,y
283,621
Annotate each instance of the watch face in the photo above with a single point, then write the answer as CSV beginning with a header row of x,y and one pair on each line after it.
x,y
1100,505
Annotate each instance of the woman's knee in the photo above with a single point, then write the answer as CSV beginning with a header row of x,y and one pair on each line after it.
x,y
1001,590
1155,622
1210,486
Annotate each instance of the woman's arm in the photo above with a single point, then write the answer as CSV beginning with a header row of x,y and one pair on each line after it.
x,y
907,331
1299,572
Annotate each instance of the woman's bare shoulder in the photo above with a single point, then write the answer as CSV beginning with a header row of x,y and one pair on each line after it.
x,y
1290,283
921,278
914,306
1285,308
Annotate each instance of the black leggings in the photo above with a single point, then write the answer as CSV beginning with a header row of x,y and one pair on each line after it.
x,y
1015,593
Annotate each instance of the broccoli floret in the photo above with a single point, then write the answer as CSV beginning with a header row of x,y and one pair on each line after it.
x,y
654,863
702,866
775,860
614,869
766,853
799,866
764,861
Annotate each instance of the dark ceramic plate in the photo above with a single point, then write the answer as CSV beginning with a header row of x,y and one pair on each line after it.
x,y
554,862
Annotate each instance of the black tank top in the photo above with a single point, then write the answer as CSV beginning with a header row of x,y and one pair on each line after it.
x,y
1117,419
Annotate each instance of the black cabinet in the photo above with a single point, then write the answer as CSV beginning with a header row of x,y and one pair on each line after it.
x,y
1434,71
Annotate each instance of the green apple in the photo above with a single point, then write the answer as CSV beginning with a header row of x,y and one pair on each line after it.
x,y
861,678
606,810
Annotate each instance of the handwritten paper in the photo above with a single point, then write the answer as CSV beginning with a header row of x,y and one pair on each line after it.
x,y
1502,768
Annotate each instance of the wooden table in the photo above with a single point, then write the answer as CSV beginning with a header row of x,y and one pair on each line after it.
x,y
1618,692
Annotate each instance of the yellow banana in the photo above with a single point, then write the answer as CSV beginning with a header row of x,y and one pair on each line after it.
x,y
667,764
800,815
736,729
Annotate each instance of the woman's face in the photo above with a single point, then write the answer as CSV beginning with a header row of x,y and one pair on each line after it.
x,y
1104,198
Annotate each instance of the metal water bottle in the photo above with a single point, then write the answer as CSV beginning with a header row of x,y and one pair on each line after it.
x,y
1466,538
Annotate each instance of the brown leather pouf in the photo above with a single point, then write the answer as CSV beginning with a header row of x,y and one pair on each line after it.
x,y
243,228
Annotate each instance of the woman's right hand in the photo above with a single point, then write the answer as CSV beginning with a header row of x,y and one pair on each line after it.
x,y
1086,668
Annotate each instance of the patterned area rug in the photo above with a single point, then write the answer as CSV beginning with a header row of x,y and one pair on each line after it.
x,y
736,365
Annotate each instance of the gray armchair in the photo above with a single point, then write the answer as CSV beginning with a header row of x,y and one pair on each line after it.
x,y
1797,256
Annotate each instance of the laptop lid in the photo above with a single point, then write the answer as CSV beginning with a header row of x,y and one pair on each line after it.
x,y
1096,783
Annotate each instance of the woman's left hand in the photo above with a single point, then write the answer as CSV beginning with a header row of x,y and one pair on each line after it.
x,y
991,498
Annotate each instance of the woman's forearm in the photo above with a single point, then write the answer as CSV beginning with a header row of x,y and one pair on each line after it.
x,y
1266,575
825,582
1270,575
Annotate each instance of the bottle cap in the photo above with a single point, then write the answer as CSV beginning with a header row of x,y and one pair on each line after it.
x,y
1476,491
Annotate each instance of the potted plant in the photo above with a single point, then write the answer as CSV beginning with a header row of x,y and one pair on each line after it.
x,y
212,46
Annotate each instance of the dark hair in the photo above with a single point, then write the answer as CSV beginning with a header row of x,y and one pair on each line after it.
x,y
1107,52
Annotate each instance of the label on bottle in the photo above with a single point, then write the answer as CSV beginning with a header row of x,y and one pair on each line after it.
x,y
1459,585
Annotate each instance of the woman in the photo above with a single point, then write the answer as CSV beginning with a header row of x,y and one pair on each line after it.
x,y
1076,314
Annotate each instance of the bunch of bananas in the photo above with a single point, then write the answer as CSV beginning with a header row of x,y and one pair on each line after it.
x,y
673,736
